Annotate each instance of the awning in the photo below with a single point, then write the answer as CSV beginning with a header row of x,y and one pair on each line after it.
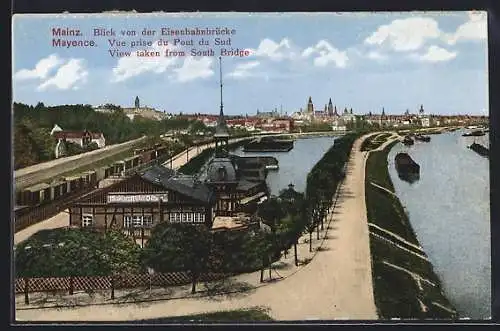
x,y
246,200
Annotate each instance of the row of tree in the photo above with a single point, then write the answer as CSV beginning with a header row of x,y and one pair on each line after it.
x,y
293,213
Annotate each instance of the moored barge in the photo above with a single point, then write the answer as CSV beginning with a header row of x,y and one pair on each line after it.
x,y
269,144
407,168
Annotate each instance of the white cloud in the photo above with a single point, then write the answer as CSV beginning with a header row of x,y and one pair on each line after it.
x,y
42,68
274,51
476,28
405,34
243,70
131,66
69,75
194,68
326,54
436,54
374,55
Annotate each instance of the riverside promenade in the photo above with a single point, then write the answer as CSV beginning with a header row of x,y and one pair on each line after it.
x,y
336,283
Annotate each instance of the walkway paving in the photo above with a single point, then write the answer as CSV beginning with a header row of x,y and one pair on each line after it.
x,y
58,221
336,284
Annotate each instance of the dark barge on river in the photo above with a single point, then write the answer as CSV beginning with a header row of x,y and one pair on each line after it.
x,y
480,149
408,141
408,170
269,144
475,133
420,137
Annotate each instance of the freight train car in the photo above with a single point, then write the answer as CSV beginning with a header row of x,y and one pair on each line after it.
x,y
35,195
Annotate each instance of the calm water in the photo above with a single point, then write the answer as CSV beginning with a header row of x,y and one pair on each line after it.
x,y
295,164
449,209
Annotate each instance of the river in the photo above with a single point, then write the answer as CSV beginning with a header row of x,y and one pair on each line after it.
x,y
449,209
295,164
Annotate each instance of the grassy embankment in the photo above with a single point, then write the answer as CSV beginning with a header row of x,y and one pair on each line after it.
x,y
399,294
240,315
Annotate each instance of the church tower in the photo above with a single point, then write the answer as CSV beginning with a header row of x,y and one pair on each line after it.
x,y
421,110
330,107
310,106
137,104
335,111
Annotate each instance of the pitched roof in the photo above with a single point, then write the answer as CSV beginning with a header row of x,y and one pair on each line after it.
x,y
186,185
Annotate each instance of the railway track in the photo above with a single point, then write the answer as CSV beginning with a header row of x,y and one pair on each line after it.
x,y
38,173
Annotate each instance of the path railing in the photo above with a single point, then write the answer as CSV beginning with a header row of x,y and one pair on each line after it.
x,y
111,283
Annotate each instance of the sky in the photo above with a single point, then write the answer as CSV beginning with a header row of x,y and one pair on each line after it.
x,y
364,61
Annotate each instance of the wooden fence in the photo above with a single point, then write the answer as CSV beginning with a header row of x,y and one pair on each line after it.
x,y
31,215
89,283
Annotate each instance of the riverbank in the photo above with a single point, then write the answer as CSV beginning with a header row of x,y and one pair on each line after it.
x,y
405,285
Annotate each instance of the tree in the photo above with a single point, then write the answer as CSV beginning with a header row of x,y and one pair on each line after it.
x,y
294,223
271,211
61,253
179,247
25,153
76,252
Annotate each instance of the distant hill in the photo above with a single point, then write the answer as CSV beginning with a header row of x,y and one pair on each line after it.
x,y
32,125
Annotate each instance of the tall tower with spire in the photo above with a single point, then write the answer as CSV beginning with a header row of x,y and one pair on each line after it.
x,y
221,135
310,106
421,110
136,103
330,107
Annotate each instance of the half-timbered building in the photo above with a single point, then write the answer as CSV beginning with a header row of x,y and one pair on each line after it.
x,y
139,202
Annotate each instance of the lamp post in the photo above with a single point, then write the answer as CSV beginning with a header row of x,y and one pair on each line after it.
x,y
150,272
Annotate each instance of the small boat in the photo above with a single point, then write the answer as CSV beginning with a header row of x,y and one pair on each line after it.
x,y
474,133
408,141
422,138
408,170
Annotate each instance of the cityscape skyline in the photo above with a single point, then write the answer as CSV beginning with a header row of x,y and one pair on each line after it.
x,y
394,61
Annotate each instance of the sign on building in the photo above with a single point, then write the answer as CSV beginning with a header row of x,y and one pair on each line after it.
x,y
136,198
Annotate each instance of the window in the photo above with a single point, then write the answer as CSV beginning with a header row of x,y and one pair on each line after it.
x,y
198,218
87,220
174,217
137,221
147,221
189,217
127,221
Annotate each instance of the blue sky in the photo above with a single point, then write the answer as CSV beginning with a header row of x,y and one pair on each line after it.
x,y
365,61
